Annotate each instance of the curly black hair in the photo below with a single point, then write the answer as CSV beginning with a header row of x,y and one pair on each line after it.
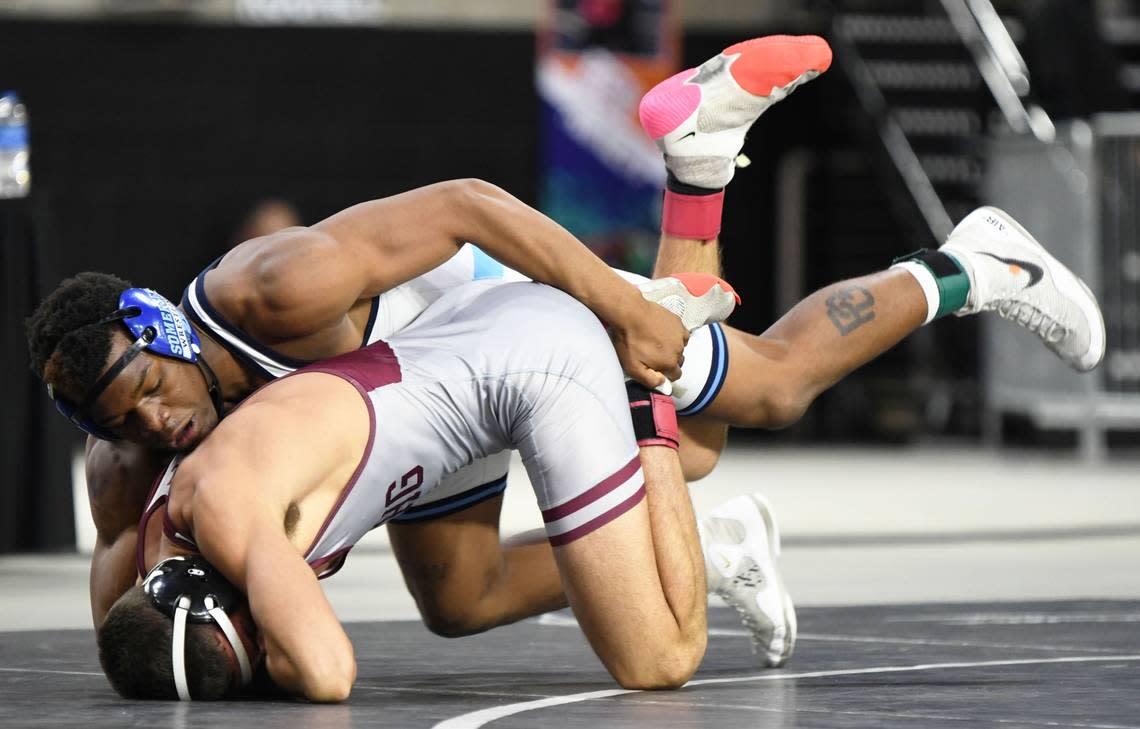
x,y
62,335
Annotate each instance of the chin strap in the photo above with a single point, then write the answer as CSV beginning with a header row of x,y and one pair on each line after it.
x,y
212,385
227,627
178,648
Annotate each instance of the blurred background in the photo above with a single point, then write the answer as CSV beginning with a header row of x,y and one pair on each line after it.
x,y
146,137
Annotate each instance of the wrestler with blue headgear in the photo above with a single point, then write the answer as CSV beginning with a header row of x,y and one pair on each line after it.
x,y
309,293
158,327
289,482
125,364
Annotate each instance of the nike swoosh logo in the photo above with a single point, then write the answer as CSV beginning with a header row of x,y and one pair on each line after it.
x,y
686,136
1036,273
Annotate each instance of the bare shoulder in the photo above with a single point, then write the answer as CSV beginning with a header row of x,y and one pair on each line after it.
x,y
308,410
266,266
281,442
288,285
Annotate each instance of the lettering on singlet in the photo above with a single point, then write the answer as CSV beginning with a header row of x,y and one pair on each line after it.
x,y
398,500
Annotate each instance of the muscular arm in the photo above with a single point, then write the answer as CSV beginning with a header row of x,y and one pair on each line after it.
x,y
119,476
233,494
307,279
306,650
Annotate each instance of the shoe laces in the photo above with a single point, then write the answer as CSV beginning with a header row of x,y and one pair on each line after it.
x,y
1032,318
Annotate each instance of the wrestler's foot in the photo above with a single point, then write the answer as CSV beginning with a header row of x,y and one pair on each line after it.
x,y
696,298
741,543
699,117
1011,274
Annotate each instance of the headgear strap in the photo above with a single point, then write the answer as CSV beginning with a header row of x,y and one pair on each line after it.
x,y
158,327
113,371
212,386
189,589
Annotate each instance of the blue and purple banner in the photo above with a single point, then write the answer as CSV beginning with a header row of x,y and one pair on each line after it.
x,y
601,175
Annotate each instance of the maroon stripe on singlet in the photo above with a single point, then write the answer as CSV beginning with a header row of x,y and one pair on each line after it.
x,y
366,369
370,368
172,533
593,494
598,521
328,566
140,536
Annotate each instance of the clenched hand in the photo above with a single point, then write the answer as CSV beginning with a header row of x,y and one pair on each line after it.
x,y
650,342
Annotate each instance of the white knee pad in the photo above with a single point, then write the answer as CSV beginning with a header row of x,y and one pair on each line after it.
x,y
704,371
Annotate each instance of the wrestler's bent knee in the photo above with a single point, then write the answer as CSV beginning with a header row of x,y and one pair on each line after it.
x,y
671,670
697,462
454,621
784,410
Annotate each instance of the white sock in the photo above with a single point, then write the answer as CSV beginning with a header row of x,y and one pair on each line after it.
x,y
929,285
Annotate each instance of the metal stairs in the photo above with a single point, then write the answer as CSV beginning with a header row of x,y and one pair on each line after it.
x,y
1120,27
928,76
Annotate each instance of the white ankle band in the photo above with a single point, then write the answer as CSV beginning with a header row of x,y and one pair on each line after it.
x,y
925,279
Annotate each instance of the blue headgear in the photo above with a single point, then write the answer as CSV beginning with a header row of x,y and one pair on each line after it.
x,y
189,589
159,327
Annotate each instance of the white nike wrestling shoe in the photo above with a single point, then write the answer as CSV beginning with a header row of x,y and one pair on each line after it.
x,y
1013,275
696,298
699,116
741,543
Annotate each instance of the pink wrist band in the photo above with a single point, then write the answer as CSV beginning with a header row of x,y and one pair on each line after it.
x,y
658,425
692,216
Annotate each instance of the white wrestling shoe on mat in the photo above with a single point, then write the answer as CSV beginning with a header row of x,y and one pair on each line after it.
x,y
699,116
1011,274
696,298
741,543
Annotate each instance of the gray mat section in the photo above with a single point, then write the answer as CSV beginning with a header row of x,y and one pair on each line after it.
x,y
1067,664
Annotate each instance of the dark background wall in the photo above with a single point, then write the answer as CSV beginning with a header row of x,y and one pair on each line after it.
x,y
149,142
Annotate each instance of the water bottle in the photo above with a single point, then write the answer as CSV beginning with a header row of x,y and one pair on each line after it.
x,y
15,181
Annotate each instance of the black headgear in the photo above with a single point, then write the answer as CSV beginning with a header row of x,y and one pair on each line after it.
x,y
190,589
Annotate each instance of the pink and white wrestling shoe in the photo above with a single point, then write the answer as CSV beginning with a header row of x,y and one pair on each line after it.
x,y
696,298
699,117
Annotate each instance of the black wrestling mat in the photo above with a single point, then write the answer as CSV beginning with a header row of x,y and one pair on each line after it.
x,y
1067,664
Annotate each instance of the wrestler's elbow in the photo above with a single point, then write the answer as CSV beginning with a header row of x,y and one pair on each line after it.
x,y
333,682
479,205
331,689
331,670
473,190
325,679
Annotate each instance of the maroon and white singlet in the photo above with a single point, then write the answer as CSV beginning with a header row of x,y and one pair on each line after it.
x,y
486,368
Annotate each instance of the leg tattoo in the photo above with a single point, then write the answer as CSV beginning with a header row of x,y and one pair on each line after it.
x,y
850,308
